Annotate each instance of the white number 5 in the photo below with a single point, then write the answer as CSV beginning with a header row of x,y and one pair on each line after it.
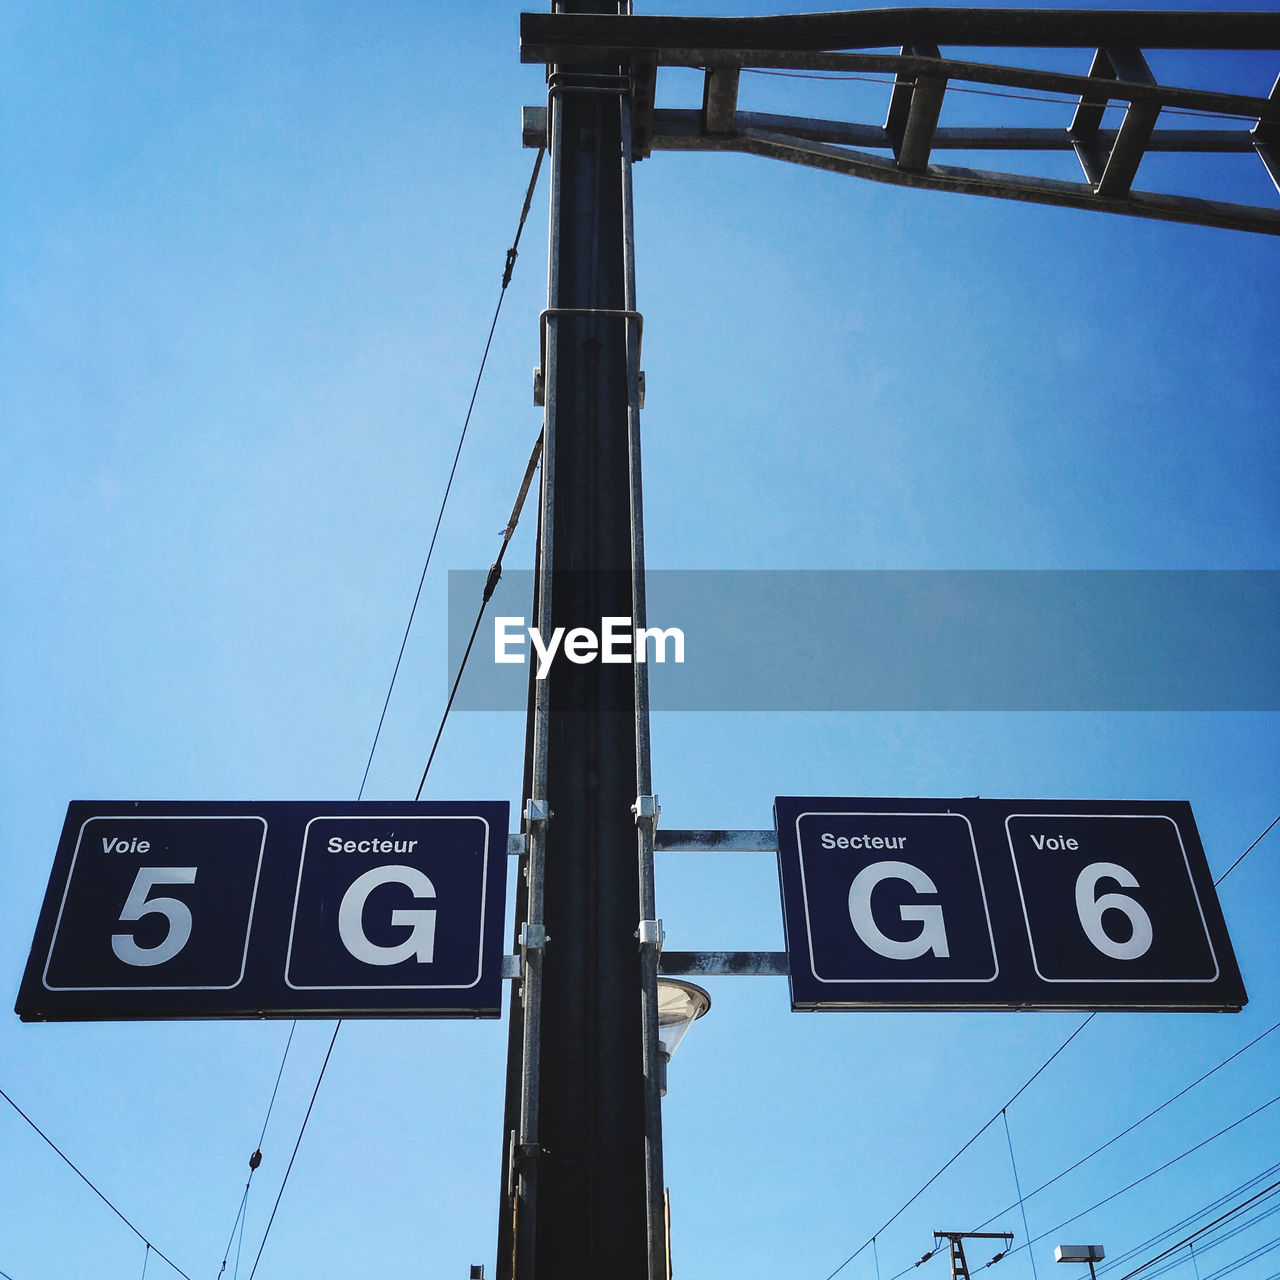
x,y
1090,908
137,905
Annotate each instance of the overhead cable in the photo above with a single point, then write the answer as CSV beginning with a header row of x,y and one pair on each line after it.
x,y
1025,1086
1147,1176
1247,852
1031,1079
1125,1132
1209,1226
1214,1242
508,268
285,1182
1017,1185
495,574
83,1178
1120,1259
466,422
255,1160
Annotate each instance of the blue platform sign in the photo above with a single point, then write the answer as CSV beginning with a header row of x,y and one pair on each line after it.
x,y
1000,904
278,909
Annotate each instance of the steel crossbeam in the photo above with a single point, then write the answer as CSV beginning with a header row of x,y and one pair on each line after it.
x,y
902,149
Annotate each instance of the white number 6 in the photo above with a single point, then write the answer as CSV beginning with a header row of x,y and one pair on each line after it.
x,y
1090,908
137,905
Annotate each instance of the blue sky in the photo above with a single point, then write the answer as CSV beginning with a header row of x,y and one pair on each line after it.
x,y
251,254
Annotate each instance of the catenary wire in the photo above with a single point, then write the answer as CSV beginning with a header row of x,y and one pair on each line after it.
x,y
1026,1085
1017,1184
83,1178
1030,1080
1212,1207
1171,1262
466,422
1259,1252
289,1169
1125,1132
256,1159
495,574
1115,1194
1247,852
1235,1124
1238,1229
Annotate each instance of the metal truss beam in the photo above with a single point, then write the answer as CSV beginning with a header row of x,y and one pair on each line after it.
x,y
901,149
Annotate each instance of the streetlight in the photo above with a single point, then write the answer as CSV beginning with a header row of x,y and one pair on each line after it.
x,y
680,1005
1089,1253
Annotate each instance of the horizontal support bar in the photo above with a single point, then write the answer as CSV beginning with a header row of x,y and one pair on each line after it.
x,y
677,130
510,966
1063,82
673,841
1008,186
681,130
712,964
563,37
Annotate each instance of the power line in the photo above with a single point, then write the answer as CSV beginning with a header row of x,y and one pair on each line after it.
x,y
323,1067
1022,1204
1252,1221
1259,1252
1129,1187
83,1178
1147,1176
1247,852
1030,1080
1212,1207
1125,1132
293,1026
506,280
255,1160
495,574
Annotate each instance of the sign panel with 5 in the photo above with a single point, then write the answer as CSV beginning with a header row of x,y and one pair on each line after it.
x,y
275,909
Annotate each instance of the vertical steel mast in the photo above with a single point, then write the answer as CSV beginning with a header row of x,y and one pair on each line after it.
x,y
583,1179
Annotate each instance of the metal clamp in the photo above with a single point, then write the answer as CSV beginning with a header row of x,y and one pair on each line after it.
x,y
519,1155
554,313
533,937
646,809
650,934
536,811
586,82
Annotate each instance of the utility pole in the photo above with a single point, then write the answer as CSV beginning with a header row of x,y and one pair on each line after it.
x,y
583,1178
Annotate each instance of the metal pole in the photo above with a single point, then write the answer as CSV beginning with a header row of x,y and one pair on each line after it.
x,y
646,806
577,1122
